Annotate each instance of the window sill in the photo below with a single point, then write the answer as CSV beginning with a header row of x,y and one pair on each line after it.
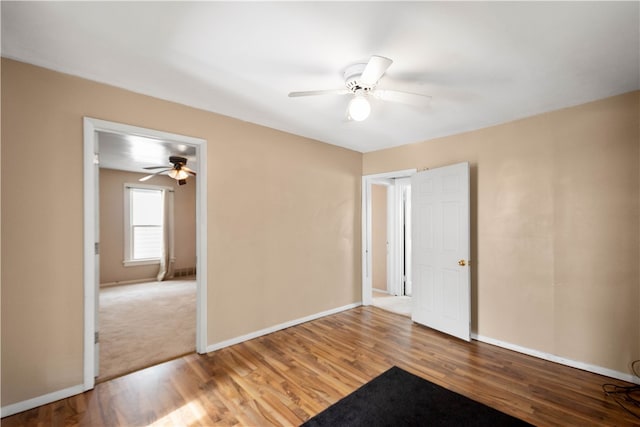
x,y
134,263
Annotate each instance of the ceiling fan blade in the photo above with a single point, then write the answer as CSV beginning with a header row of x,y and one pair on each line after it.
x,y
186,169
410,98
374,70
319,92
145,178
155,167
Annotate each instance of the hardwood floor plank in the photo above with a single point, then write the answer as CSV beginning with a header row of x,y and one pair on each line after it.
x,y
286,377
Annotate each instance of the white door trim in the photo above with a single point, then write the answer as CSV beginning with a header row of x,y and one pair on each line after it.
x,y
367,180
91,126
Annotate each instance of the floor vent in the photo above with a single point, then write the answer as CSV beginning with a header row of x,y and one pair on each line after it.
x,y
184,272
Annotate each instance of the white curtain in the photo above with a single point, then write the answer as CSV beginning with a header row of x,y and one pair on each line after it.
x,y
167,259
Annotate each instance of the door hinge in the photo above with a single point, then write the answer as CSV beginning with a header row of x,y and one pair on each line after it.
x,y
96,337
97,248
96,158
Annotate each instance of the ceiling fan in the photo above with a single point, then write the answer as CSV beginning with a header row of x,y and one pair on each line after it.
x,y
179,171
361,81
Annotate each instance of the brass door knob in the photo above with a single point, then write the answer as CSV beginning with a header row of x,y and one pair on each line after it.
x,y
461,263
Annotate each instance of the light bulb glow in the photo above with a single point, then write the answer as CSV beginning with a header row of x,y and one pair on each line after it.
x,y
359,108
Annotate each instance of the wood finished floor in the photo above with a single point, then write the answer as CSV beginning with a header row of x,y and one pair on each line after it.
x,y
286,377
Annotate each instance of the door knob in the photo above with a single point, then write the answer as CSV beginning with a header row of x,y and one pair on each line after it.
x,y
462,263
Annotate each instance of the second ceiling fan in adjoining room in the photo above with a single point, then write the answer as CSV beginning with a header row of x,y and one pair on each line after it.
x,y
178,171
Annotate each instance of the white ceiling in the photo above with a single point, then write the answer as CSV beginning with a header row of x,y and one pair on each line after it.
x,y
484,63
134,152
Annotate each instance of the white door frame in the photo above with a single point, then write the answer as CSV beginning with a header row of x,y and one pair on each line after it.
x,y
91,126
394,269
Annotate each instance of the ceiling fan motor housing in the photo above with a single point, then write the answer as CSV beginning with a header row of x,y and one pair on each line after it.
x,y
177,160
352,79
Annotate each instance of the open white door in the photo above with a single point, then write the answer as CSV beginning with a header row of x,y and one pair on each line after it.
x,y
441,291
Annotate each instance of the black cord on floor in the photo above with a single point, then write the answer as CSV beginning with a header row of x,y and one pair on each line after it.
x,y
628,397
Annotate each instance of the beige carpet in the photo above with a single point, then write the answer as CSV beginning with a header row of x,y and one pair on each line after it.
x,y
399,305
145,324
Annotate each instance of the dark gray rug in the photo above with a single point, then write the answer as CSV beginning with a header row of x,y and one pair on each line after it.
x,y
399,398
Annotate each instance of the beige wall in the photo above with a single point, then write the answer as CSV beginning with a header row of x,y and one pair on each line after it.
x,y
112,271
283,221
379,237
555,231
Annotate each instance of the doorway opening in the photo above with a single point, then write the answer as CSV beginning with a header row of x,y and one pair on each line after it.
x,y
386,222
440,285
147,147
146,310
394,295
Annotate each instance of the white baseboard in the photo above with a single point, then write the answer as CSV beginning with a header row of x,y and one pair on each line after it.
x,y
25,405
561,360
275,328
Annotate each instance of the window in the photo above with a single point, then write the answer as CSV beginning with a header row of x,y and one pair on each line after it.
x,y
144,224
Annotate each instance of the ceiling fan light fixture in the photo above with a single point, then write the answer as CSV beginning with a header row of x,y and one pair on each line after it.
x,y
359,108
178,174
